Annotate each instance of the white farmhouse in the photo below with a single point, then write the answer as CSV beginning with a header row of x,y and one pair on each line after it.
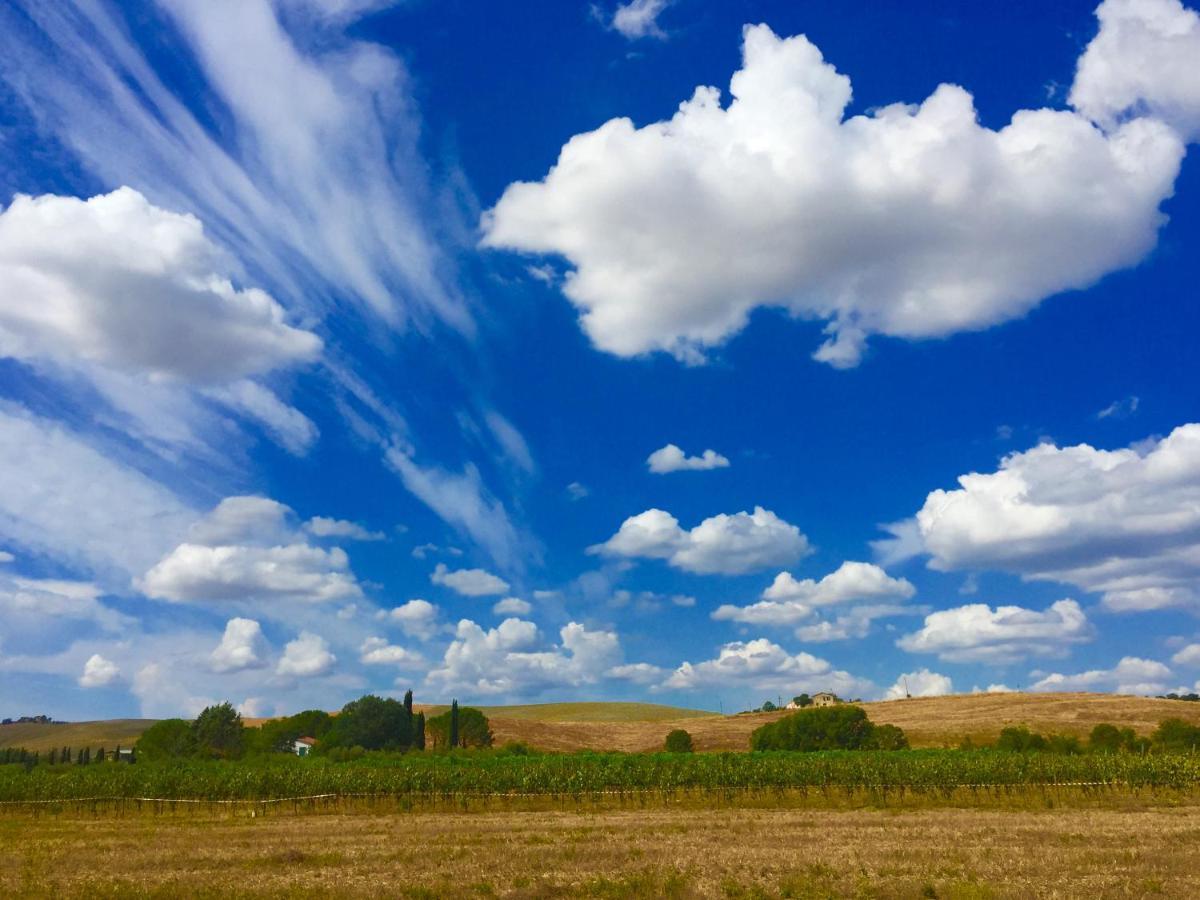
x,y
303,746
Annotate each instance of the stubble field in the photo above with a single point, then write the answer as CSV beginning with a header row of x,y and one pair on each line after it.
x,y
1136,851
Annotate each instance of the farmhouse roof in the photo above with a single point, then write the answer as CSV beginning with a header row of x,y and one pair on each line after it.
x,y
308,741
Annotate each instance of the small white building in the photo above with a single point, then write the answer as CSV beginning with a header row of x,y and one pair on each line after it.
x,y
303,746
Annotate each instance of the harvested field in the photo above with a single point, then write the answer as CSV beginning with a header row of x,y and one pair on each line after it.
x,y
948,853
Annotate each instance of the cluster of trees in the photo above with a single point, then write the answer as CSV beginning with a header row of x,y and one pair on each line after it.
x,y
1191,698
368,723
460,727
1171,736
828,728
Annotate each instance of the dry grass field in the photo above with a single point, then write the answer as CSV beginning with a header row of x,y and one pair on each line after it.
x,y
735,853
928,722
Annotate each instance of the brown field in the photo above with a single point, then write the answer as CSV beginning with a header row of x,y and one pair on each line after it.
x,y
759,853
928,722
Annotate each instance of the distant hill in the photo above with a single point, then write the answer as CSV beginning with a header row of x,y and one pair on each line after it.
x,y
928,722
76,735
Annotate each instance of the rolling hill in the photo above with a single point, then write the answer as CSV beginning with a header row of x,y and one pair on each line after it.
x,y
928,722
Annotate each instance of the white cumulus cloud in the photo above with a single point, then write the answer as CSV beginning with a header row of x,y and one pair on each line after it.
x,y
1132,675
921,683
242,646
764,665
726,544
512,606
469,582
1143,62
417,618
376,651
505,660
913,220
977,632
248,548
1125,523
118,282
672,459
98,672
307,656
790,600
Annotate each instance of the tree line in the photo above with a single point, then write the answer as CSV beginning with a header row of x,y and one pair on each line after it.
x,y
370,723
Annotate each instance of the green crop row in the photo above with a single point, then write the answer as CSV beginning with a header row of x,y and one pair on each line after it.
x,y
480,774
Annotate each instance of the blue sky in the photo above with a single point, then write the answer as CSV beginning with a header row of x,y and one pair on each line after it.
x,y
692,353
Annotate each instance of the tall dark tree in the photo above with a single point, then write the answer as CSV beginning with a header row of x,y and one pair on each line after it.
x,y
53,758
219,732
408,701
419,731
100,755
454,723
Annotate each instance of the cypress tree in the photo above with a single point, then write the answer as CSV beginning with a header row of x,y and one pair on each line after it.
x,y
408,701
53,758
419,731
454,723
65,756
100,756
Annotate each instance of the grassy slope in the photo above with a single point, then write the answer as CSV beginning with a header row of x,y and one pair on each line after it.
x,y
928,721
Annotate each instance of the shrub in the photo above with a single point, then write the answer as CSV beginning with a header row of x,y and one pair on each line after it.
x,y
825,728
679,741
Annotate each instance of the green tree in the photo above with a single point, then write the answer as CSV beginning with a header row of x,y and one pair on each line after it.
x,y
100,755
679,741
168,739
453,723
802,700
419,731
408,701
769,707
373,723
219,732
842,727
